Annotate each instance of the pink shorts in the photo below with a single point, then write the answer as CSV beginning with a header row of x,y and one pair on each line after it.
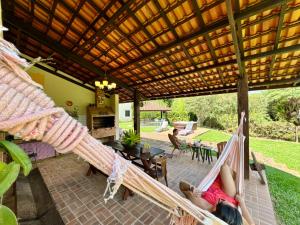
x,y
215,193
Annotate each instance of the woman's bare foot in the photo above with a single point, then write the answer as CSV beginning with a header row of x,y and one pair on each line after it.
x,y
184,186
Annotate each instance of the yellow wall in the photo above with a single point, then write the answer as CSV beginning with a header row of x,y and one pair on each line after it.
x,y
61,90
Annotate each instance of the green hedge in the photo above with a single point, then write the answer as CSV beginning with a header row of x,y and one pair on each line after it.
x,y
273,130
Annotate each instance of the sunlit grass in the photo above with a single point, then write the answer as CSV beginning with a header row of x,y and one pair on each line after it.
x,y
284,152
285,192
129,125
284,187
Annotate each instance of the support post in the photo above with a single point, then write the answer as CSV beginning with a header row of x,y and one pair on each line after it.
x,y
136,112
242,98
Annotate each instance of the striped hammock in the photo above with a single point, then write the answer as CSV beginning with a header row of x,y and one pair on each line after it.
x,y
27,112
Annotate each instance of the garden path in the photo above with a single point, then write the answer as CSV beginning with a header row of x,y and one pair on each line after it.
x,y
163,136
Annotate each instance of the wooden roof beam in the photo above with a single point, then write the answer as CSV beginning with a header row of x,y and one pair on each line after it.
x,y
236,41
151,39
219,24
170,26
230,62
109,22
103,14
207,38
277,37
222,90
291,48
196,70
40,37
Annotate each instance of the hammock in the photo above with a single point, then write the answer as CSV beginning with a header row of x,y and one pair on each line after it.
x,y
27,112
233,152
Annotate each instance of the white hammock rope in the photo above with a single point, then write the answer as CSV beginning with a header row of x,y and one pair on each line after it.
x,y
115,179
26,111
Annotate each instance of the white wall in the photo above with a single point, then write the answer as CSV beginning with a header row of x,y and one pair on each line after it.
x,y
61,90
122,108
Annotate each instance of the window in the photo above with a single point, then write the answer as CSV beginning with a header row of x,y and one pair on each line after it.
x,y
127,113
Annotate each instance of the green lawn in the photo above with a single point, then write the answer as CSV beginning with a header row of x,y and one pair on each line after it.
x,y
281,151
126,125
285,192
129,125
284,187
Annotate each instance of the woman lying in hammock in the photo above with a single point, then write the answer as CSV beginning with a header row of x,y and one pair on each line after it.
x,y
221,199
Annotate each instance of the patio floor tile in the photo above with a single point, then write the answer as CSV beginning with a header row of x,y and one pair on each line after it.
x,y
79,199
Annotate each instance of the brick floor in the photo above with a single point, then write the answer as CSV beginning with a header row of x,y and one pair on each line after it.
x,y
79,198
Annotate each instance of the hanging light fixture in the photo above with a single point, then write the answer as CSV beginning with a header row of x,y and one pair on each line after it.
x,y
105,85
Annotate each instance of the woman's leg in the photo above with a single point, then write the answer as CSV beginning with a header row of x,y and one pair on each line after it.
x,y
198,201
186,189
228,183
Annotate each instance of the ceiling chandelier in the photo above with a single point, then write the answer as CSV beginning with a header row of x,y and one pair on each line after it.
x,y
105,85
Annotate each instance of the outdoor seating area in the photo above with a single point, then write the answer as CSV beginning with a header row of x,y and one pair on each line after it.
x,y
79,198
66,67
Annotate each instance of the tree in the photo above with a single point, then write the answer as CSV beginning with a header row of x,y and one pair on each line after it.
x,y
285,106
168,102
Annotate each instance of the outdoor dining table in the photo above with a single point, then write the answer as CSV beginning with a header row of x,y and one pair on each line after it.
x,y
134,157
204,151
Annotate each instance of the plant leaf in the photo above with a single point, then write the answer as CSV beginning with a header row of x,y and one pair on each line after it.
x,y
18,155
7,217
8,175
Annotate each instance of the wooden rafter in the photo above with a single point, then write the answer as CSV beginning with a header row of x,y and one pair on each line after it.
x,y
285,83
207,38
141,66
235,39
231,62
35,34
273,52
170,26
277,37
125,36
70,22
219,24
109,22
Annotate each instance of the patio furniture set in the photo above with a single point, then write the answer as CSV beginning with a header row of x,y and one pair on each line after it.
x,y
153,162
198,149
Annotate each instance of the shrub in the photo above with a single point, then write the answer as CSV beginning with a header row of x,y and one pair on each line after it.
x,y
174,116
213,122
192,117
273,130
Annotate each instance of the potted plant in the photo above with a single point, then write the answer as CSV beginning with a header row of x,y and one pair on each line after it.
x,y
130,140
146,148
8,175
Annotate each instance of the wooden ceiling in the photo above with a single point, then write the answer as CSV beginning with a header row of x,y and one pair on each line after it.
x,y
163,48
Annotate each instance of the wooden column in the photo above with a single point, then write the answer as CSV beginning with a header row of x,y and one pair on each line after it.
x,y
242,97
136,112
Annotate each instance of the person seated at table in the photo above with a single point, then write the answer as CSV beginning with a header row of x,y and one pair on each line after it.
x,y
221,199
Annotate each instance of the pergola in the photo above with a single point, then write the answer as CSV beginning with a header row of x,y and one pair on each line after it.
x,y
165,48
154,107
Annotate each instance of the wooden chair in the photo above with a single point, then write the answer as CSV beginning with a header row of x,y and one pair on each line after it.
x,y
160,169
259,167
220,146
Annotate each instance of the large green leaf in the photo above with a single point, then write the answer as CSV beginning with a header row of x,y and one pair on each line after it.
x,y
18,155
8,175
7,217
